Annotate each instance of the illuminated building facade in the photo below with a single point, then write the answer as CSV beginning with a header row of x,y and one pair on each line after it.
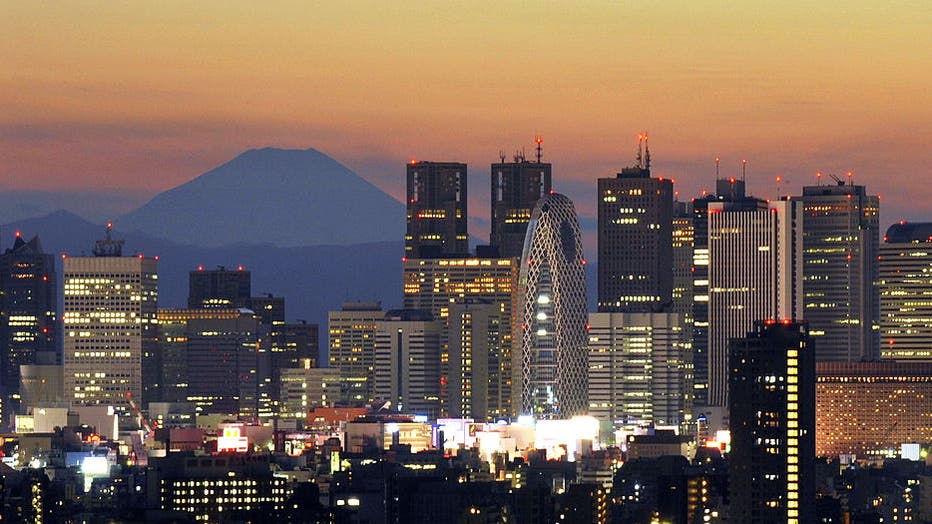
x,y
407,362
841,239
635,241
28,318
110,324
516,188
217,488
437,211
352,349
550,348
905,285
683,251
755,273
869,409
436,285
640,369
219,288
772,409
307,387
474,338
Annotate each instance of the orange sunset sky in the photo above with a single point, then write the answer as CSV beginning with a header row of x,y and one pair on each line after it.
x,y
142,96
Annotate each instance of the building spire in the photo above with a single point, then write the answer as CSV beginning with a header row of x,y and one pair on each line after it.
x,y
539,141
646,152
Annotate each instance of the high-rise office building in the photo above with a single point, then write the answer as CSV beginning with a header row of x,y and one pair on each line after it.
x,y
550,342
840,243
219,288
436,285
640,369
755,273
28,317
407,362
905,288
516,188
222,359
773,425
110,323
683,252
174,332
475,333
635,241
306,387
869,409
732,192
352,349
437,212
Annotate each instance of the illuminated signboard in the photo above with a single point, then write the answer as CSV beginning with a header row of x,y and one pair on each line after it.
x,y
232,441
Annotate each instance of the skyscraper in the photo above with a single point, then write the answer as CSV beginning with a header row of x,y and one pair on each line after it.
x,y
635,240
437,210
772,419
352,349
732,192
219,288
755,270
474,339
110,321
840,248
516,188
407,362
551,350
683,252
906,292
437,285
640,369
28,318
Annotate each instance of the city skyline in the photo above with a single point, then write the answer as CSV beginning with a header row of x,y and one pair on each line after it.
x,y
772,85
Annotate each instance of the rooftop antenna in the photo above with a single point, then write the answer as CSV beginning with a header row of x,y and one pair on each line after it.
x,y
850,178
717,162
744,170
646,152
640,157
501,155
539,141
819,177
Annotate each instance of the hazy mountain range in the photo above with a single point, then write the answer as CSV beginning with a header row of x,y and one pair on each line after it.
x,y
308,229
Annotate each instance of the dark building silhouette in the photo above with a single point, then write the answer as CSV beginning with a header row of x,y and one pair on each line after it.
x,y
635,240
219,288
516,188
841,242
772,421
436,210
271,309
28,318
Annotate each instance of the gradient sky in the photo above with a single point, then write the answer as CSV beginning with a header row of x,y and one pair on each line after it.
x,y
142,96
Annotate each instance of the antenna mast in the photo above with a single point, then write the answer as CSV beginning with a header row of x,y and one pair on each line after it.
x,y
539,141
640,157
646,152
717,162
744,170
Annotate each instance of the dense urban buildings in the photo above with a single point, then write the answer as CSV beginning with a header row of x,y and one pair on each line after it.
x,y
438,285
28,319
683,251
635,240
841,236
516,188
640,369
773,425
755,270
110,322
870,409
306,387
475,334
550,355
437,212
905,288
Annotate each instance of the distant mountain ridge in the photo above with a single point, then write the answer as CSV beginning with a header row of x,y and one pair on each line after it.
x,y
283,197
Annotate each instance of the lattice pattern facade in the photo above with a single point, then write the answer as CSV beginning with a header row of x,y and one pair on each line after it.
x,y
551,357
